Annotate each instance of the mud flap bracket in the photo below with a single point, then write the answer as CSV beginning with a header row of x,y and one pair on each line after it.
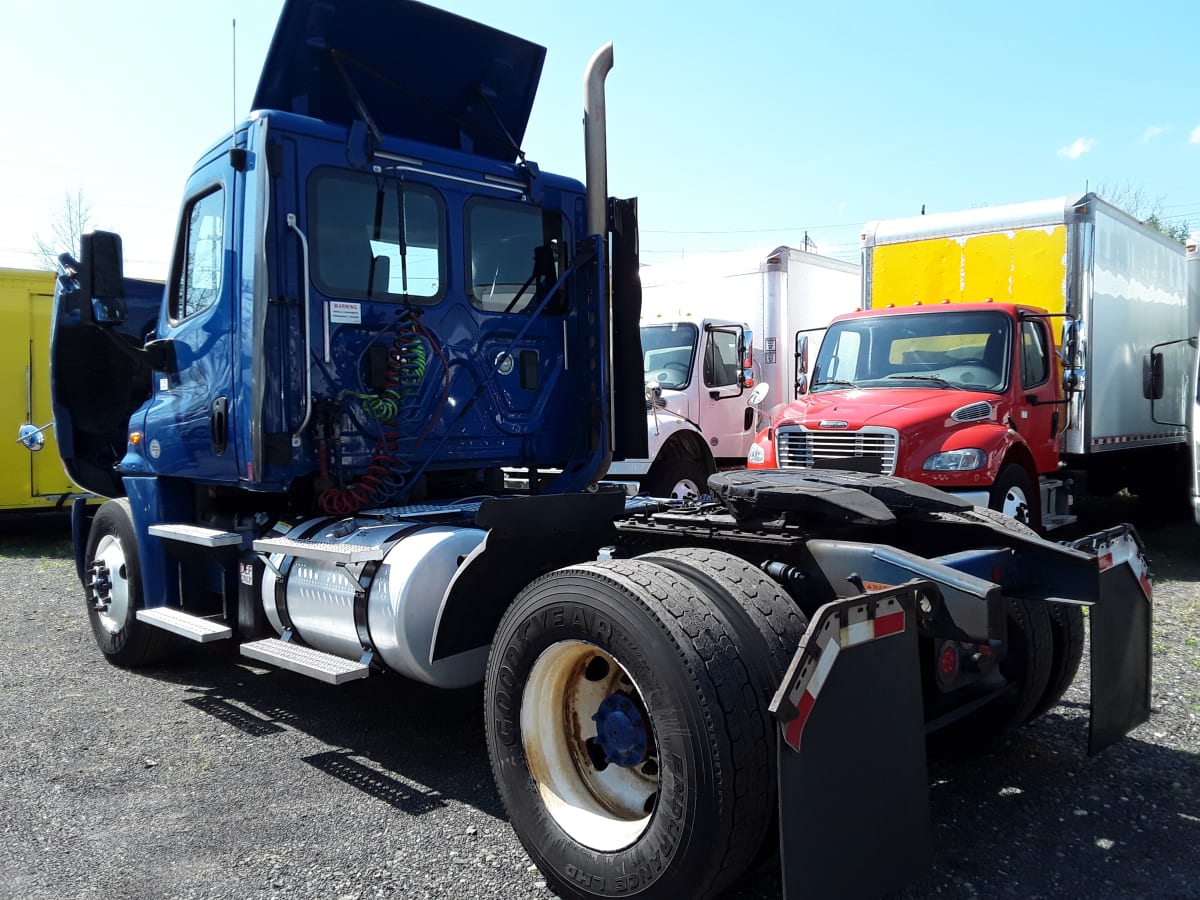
x,y
854,816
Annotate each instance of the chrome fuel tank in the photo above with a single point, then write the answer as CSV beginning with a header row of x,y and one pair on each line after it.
x,y
402,590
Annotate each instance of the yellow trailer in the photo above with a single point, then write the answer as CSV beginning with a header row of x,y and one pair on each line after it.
x,y
28,480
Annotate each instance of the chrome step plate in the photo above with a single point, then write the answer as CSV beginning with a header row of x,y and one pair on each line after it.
x,y
338,553
196,534
176,621
305,660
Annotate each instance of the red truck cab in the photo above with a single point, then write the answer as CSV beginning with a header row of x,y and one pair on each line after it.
x,y
966,397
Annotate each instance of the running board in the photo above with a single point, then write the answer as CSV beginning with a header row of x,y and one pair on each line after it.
x,y
196,534
305,660
176,621
338,553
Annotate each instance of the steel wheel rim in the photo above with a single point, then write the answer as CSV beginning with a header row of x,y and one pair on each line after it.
x,y
111,555
605,809
685,489
1016,504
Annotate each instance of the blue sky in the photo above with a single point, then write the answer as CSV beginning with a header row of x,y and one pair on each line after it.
x,y
738,125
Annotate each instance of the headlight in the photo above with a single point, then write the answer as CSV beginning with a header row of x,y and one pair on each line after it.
x,y
757,454
955,460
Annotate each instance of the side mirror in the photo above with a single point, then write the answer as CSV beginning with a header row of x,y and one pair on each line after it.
x,y
801,364
801,354
102,276
32,437
1152,376
759,394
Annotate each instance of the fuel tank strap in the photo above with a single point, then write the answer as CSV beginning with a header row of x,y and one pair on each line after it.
x,y
285,568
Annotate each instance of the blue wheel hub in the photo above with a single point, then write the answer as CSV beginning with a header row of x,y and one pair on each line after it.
x,y
621,731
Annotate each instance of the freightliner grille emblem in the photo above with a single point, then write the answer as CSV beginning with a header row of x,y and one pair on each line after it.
x,y
833,423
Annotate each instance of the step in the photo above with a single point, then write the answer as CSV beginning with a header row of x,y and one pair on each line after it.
x,y
305,660
196,534
1050,522
338,553
194,628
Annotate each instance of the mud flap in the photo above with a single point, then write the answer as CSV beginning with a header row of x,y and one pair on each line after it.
x,y
1121,640
854,817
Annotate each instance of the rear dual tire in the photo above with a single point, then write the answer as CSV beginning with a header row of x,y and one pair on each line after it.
x,y
676,678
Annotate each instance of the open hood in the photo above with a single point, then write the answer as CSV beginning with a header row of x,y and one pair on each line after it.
x,y
421,73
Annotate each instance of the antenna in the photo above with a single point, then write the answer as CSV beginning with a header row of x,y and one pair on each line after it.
x,y
233,86
237,158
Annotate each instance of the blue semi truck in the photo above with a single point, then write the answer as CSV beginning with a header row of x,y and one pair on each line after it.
x,y
378,310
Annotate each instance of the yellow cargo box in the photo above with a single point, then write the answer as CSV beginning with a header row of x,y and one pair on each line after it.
x,y
1019,265
28,480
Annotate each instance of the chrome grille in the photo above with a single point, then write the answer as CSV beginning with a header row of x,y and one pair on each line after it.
x,y
798,448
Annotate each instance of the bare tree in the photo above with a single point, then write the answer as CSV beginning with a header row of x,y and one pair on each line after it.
x,y
67,227
1134,200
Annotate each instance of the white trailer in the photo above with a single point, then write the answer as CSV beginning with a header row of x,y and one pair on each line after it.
x,y
695,312
1193,282
776,293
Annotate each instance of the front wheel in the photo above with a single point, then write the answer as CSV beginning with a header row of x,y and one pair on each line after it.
x,y
113,588
1016,496
682,478
624,731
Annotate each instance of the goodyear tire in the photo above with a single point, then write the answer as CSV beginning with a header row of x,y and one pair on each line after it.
x,y
768,623
624,729
112,567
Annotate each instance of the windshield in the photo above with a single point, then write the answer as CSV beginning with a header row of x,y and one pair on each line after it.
x,y
667,352
950,350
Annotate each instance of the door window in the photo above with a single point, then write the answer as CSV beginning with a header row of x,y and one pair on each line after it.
x,y
721,359
198,284
516,254
1035,354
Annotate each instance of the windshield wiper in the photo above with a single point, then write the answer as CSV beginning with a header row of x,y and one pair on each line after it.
x,y
942,382
817,384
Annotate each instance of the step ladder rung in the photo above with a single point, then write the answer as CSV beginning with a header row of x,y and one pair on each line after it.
x,y
305,660
194,628
341,553
195,534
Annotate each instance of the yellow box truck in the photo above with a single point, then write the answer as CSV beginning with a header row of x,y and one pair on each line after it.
x,y
28,480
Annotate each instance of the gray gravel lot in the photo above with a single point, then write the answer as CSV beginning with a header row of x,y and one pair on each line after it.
x,y
212,778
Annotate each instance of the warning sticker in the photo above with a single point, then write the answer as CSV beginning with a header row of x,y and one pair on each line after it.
x,y
344,311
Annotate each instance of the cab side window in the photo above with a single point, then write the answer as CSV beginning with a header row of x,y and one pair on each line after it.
x,y
517,254
1035,354
198,284
721,359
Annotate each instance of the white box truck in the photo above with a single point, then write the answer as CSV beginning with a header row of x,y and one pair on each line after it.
x,y
696,313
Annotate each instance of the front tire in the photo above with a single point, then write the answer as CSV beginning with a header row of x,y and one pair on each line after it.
x,y
681,478
621,724
1015,495
112,569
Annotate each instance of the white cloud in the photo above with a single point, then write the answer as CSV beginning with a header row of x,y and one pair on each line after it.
x,y
1077,149
1196,135
1153,131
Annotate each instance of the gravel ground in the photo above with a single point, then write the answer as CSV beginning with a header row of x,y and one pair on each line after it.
x,y
212,778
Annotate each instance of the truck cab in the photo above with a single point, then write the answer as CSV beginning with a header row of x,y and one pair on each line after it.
x,y
966,397
373,295
699,416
